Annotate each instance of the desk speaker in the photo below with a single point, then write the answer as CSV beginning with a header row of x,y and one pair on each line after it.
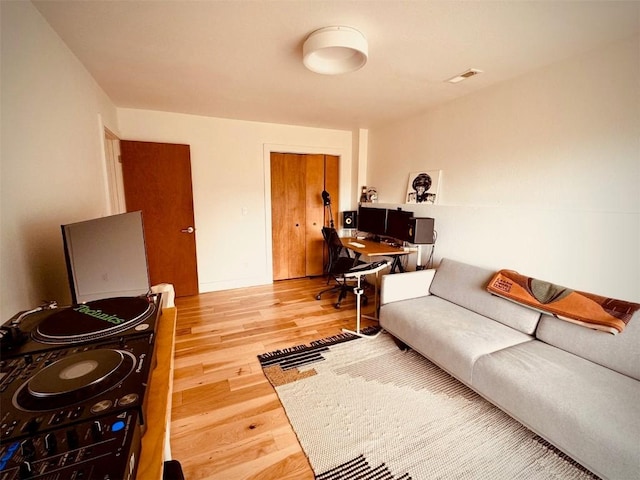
x,y
350,219
421,230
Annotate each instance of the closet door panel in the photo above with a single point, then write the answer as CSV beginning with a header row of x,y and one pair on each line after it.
x,y
331,185
296,196
287,216
314,207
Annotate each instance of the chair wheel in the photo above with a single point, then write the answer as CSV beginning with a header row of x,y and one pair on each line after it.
x,y
337,305
317,297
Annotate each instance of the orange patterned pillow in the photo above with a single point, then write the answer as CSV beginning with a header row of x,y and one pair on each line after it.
x,y
586,309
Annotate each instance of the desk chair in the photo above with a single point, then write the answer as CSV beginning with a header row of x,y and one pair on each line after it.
x,y
339,264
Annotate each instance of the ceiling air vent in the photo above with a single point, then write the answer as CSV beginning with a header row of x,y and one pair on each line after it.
x,y
463,76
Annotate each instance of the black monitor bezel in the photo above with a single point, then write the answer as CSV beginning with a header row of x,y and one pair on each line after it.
x,y
375,220
398,224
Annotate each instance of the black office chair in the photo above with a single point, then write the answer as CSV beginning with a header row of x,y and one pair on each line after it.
x,y
339,263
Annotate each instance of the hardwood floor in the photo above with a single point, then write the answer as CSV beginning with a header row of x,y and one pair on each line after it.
x,y
227,422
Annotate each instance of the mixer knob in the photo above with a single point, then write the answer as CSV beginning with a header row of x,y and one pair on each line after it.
x,y
28,449
32,425
28,359
96,431
26,470
50,443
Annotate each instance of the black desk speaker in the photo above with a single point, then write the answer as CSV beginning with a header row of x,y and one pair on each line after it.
x,y
421,230
350,219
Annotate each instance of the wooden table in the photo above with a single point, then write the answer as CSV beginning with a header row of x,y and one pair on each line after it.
x,y
376,249
155,441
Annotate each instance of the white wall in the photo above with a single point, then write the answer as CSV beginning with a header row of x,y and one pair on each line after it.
x,y
52,156
231,185
540,174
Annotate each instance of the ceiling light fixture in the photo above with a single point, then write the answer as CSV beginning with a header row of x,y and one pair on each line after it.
x,y
335,50
463,76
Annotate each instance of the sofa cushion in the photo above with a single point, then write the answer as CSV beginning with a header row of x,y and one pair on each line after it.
x,y
451,336
619,352
406,285
590,412
465,285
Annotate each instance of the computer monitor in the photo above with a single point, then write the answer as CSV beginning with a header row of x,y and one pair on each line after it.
x,y
106,257
372,220
398,224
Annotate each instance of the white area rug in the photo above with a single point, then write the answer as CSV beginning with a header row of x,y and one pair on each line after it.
x,y
363,409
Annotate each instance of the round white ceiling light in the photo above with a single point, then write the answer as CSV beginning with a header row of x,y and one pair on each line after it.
x,y
335,50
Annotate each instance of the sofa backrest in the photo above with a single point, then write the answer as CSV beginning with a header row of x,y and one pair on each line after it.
x,y
465,285
619,352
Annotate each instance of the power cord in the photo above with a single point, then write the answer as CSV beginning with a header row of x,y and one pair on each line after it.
x,y
429,263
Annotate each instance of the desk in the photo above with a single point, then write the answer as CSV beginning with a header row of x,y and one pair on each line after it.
x,y
376,249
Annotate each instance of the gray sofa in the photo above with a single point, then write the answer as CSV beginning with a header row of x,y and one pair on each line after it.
x,y
577,388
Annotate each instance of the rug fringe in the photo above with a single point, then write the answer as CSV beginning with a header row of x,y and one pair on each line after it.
x,y
270,357
359,469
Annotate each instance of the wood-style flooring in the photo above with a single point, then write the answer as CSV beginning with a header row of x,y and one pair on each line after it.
x,y
227,422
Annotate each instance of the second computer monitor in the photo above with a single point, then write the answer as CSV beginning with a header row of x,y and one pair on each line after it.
x,y
398,222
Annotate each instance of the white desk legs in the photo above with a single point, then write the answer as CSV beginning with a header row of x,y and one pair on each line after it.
x,y
358,290
359,272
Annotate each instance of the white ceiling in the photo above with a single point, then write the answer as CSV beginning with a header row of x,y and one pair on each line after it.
x,y
242,59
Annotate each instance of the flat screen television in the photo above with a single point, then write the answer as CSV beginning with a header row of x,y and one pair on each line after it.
x,y
372,220
398,224
106,257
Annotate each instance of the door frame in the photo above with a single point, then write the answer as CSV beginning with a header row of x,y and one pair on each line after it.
x,y
345,181
113,165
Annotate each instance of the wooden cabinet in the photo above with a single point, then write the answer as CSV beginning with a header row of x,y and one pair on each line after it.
x,y
298,213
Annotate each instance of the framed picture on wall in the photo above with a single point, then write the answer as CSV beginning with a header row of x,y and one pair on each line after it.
x,y
423,186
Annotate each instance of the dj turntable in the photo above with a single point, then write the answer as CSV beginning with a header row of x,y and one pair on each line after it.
x,y
73,385
58,388
46,328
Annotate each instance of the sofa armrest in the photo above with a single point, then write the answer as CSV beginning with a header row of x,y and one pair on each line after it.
x,y
403,286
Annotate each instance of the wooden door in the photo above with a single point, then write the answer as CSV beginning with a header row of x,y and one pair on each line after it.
x,y
288,213
298,212
314,206
331,185
157,181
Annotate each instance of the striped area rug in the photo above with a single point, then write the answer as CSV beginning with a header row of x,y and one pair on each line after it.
x,y
362,409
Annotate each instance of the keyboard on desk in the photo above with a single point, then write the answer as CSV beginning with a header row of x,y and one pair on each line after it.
x,y
356,244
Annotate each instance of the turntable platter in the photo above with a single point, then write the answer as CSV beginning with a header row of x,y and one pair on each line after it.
x,y
74,379
95,319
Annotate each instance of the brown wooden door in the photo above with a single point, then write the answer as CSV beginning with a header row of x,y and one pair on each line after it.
x,y
288,216
314,241
298,212
331,185
157,181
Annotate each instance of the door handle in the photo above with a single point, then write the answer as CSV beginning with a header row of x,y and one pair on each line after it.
x,y
188,230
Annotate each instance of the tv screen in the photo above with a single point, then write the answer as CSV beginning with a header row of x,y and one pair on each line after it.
x,y
372,220
398,224
106,257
